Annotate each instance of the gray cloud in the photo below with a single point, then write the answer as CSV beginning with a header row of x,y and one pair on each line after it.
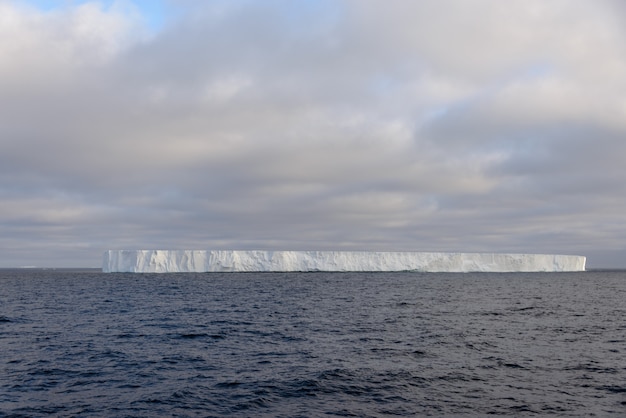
x,y
432,125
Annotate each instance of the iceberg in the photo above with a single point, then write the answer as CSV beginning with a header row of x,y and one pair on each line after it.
x,y
201,261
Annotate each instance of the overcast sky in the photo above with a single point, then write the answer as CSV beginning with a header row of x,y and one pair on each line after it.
x,y
443,125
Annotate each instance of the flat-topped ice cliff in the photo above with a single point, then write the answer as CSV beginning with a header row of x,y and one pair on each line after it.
x,y
199,261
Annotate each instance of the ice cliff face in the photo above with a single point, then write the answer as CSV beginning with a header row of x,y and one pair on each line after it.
x,y
174,261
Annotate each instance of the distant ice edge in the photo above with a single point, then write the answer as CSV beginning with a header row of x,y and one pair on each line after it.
x,y
201,261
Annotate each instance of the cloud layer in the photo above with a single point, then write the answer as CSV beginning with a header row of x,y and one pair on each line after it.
x,y
432,125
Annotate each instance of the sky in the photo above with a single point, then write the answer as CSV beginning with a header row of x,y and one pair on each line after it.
x,y
396,125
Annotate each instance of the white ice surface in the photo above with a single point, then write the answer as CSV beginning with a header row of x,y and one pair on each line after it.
x,y
175,261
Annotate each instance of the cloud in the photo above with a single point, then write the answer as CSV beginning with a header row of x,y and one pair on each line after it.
x,y
433,125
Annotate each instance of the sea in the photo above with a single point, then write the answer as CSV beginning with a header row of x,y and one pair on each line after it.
x,y
81,343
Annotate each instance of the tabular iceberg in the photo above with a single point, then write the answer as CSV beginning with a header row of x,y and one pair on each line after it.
x,y
199,261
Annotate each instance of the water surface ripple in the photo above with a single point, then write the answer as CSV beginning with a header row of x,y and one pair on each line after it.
x,y
312,344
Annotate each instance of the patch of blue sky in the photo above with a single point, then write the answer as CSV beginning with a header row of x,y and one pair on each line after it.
x,y
155,13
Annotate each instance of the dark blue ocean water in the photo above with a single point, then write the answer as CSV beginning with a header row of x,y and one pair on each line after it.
x,y
312,344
